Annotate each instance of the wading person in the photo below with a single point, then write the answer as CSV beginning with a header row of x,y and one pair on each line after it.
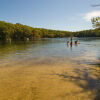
x,y
76,42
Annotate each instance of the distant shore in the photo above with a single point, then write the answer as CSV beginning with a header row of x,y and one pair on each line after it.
x,y
9,31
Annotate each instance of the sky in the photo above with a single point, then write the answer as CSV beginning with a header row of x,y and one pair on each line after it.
x,y
68,15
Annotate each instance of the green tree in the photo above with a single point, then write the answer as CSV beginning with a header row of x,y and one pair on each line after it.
x,y
96,22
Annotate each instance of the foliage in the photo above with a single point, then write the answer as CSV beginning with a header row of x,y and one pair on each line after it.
x,y
22,32
92,32
96,22
88,33
9,31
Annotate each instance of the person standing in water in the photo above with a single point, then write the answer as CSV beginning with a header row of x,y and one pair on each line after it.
x,y
76,42
71,42
71,38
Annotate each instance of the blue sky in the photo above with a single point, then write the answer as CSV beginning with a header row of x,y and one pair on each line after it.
x,y
70,15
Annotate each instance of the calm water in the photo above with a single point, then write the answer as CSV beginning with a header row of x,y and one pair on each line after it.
x,y
48,69
51,51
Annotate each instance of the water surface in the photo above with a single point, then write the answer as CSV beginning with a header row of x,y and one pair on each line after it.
x,y
87,51
49,69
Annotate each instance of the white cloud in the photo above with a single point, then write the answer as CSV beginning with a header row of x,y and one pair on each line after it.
x,y
91,14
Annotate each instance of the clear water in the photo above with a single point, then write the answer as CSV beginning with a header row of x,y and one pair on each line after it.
x,y
51,51
48,69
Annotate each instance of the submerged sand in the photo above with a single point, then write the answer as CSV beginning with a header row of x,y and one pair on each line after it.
x,y
68,81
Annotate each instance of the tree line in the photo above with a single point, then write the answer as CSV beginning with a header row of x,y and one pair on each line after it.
x,y
92,32
88,33
9,31
23,32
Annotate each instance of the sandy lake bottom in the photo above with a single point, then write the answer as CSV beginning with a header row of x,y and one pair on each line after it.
x,y
50,70
68,81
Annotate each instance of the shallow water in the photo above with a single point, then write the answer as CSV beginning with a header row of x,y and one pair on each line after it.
x,y
49,69
88,51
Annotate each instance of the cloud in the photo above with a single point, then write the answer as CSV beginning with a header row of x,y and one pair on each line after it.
x,y
91,14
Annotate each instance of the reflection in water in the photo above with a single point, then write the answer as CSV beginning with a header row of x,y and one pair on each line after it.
x,y
49,70
71,44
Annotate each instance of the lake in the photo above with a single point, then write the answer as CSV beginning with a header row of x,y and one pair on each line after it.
x,y
49,69
88,51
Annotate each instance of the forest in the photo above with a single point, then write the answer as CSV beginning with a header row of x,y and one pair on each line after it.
x,y
23,32
88,33
9,31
